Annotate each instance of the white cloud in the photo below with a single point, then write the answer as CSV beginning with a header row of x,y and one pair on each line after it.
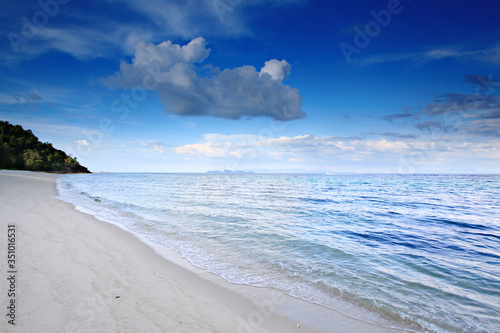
x,y
170,70
326,150
490,55
97,32
235,138
83,143
168,54
190,18
279,70
381,146
485,127
82,42
289,148
155,146
209,149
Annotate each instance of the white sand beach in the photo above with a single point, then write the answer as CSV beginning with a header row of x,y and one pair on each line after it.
x,y
74,273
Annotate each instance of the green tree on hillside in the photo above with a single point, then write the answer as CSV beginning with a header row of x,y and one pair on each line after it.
x,y
20,149
33,160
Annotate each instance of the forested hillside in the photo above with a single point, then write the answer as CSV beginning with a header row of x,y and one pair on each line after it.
x,y
21,150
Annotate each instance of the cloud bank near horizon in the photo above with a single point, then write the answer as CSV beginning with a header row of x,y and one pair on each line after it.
x,y
246,151
172,71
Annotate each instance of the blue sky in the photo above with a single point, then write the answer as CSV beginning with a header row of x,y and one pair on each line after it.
x,y
277,85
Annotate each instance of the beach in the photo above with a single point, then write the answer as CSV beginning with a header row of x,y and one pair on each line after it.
x,y
74,273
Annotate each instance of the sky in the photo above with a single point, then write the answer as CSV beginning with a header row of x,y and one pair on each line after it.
x,y
266,86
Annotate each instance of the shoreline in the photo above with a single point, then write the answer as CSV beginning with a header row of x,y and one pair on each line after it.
x,y
78,273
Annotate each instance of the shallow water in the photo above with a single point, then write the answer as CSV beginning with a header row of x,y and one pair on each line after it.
x,y
421,251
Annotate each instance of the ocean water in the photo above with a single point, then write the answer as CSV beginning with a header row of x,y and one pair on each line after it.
x,y
420,252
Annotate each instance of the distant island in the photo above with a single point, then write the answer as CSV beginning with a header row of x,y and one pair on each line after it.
x,y
20,149
230,171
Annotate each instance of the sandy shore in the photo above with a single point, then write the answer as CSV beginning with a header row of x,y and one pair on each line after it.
x,y
74,273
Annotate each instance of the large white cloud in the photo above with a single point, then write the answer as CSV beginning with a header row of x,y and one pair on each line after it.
x,y
171,70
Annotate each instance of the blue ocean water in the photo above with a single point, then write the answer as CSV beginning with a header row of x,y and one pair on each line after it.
x,y
421,251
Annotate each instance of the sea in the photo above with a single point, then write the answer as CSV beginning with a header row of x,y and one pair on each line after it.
x,y
420,251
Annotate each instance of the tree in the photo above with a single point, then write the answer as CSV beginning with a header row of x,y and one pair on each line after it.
x,y
33,160
6,156
21,149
